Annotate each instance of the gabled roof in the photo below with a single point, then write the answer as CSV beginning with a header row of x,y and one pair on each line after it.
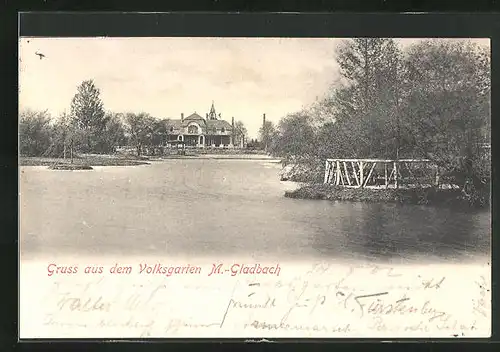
x,y
219,124
178,124
175,123
194,116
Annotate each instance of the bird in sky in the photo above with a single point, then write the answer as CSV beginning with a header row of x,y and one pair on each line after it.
x,y
40,54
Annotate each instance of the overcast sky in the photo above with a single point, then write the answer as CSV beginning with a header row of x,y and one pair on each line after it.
x,y
165,77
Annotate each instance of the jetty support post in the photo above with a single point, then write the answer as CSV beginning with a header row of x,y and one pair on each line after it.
x,y
347,173
355,172
385,176
395,174
327,171
370,173
341,173
337,174
436,181
361,174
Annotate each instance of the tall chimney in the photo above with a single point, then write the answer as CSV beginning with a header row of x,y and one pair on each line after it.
x,y
182,116
233,132
263,129
206,116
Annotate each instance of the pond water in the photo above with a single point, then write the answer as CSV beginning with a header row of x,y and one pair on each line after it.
x,y
209,207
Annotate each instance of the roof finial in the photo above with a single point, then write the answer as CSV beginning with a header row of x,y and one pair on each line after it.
x,y
212,115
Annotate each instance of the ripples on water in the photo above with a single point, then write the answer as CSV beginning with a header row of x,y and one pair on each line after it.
x,y
226,207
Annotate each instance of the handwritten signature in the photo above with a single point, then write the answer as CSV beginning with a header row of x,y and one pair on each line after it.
x,y
480,303
301,303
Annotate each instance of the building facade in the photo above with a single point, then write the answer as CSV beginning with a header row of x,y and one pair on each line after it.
x,y
211,131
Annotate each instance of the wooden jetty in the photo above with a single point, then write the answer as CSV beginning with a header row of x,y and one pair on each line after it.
x,y
381,173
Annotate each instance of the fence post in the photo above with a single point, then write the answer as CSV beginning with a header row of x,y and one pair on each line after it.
x,y
396,174
436,182
386,180
361,174
327,171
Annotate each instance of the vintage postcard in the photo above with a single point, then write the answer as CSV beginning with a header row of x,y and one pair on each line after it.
x,y
254,187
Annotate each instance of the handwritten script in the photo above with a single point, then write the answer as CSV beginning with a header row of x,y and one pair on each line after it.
x,y
320,300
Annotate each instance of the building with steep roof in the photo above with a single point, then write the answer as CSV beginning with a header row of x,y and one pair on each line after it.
x,y
211,131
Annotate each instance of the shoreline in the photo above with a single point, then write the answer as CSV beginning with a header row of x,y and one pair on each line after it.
x,y
87,162
416,196
259,157
80,163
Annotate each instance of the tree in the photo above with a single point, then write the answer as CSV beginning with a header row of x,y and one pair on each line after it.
x,y
88,116
366,102
138,127
240,133
430,101
322,111
34,133
113,133
448,108
296,137
268,135
158,133
62,136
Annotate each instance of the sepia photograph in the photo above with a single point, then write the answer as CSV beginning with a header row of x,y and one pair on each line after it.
x,y
185,187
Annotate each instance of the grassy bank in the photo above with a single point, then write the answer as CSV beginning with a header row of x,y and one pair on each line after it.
x,y
70,167
228,151
80,162
428,196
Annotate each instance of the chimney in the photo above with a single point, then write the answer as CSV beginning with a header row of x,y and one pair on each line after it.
x,y
263,130
232,122
182,116
206,116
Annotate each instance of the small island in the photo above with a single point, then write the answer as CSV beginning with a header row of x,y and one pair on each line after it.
x,y
405,196
81,162
382,112
394,181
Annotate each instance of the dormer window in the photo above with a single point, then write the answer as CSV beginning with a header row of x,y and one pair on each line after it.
x,y
171,129
192,129
223,130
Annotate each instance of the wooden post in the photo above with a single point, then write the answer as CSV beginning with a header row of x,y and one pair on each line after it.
x,y
370,173
331,176
361,174
334,173
385,176
355,172
347,174
331,173
437,176
327,171
340,173
396,174
337,173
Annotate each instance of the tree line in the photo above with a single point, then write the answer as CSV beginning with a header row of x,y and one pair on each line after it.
x,y
90,129
429,100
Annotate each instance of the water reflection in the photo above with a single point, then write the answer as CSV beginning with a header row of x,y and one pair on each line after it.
x,y
401,233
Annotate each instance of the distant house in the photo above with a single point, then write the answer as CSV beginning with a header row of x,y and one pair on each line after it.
x,y
211,131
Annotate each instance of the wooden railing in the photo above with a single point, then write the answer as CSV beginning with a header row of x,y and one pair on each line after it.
x,y
379,173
